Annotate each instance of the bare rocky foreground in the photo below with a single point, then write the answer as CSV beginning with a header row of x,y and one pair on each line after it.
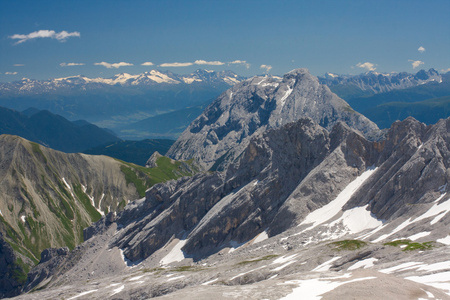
x,y
282,267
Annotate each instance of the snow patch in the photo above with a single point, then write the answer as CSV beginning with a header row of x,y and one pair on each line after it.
x,y
284,266
358,219
418,235
328,211
284,259
136,278
22,218
283,99
68,186
312,289
261,237
209,282
326,265
366,263
175,278
118,290
242,274
82,294
1,213
176,254
437,280
401,267
445,240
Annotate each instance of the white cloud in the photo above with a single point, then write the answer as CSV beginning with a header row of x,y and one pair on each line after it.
x,y
445,71
19,65
210,63
416,63
176,64
11,73
60,36
367,65
421,49
240,62
71,64
114,65
147,63
266,67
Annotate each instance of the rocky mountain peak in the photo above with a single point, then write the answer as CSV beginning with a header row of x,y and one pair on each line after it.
x,y
257,104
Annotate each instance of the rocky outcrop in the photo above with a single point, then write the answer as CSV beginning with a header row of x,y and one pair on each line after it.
x,y
251,107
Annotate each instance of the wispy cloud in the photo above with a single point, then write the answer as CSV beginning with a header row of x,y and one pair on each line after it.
x,y
445,71
114,65
421,49
266,67
416,63
71,64
60,36
147,63
176,64
210,63
367,65
240,62
19,65
10,73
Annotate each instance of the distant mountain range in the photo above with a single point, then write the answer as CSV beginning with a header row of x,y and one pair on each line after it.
x,y
148,79
120,100
52,130
373,82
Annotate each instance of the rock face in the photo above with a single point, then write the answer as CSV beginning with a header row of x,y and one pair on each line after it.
x,y
280,177
297,186
251,107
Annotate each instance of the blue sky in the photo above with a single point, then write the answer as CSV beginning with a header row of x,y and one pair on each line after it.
x,y
49,39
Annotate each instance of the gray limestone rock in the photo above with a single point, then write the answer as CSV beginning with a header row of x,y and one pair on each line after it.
x,y
251,107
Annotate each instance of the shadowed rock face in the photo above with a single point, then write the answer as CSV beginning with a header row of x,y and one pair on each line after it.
x,y
225,128
283,175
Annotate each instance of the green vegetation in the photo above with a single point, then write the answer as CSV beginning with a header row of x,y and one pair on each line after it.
x,y
408,245
347,245
143,178
187,269
93,213
37,150
267,257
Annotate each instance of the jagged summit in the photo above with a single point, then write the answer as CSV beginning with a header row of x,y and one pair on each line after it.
x,y
257,104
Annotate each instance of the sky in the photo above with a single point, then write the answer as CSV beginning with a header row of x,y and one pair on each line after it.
x,y
52,39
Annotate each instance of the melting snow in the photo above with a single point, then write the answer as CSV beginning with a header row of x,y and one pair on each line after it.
x,y
283,259
328,211
283,99
242,274
82,294
418,235
358,219
313,288
445,240
176,254
261,237
284,266
118,290
401,267
366,263
175,278
326,265
437,210
438,280
68,186
1,213
136,278
22,218
209,282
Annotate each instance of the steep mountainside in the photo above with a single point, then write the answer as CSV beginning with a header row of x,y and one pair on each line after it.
x,y
350,86
255,105
53,131
48,197
259,227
